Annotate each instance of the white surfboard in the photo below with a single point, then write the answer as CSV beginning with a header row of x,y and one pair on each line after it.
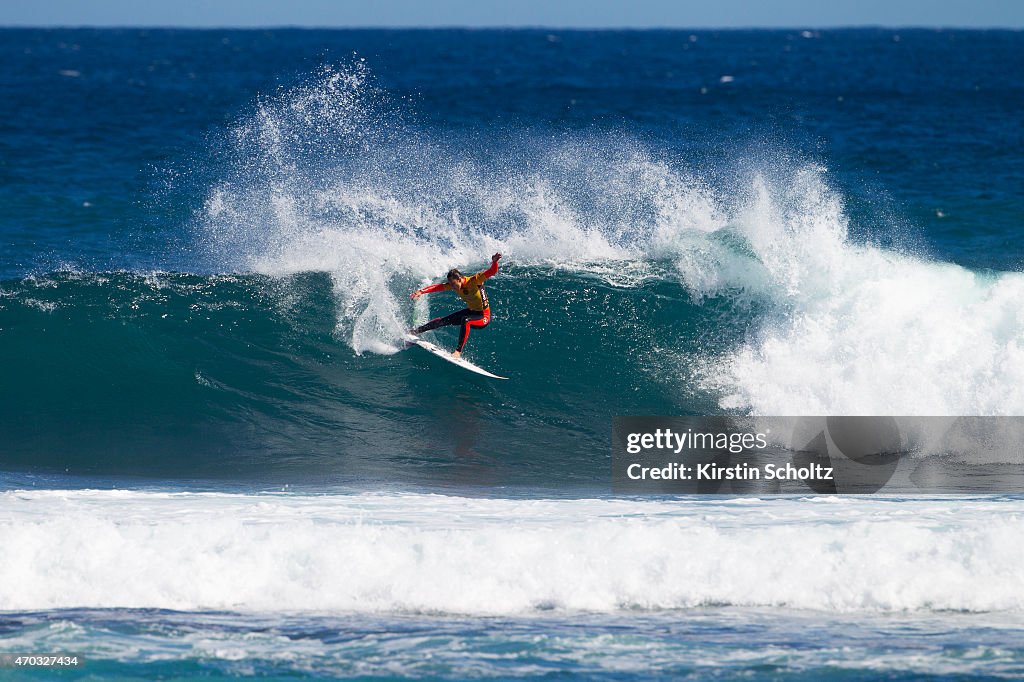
x,y
442,353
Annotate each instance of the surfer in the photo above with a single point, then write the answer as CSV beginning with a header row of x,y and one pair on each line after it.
x,y
471,290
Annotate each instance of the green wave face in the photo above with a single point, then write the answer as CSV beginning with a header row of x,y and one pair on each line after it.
x,y
252,376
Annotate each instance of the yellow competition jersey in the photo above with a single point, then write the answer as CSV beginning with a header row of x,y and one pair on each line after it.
x,y
472,292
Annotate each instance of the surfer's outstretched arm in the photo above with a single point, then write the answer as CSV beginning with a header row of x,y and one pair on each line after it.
x,y
443,286
479,277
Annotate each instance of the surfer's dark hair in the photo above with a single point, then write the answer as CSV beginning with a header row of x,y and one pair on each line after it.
x,y
453,273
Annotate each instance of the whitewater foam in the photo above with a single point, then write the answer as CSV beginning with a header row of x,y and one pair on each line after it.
x,y
431,553
858,329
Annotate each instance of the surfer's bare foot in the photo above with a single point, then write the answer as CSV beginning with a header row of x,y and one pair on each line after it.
x,y
456,354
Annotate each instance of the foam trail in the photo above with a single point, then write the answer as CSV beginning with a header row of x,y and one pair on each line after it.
x,y
430,553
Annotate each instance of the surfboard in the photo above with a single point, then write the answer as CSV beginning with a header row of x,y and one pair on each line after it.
x,y
442,353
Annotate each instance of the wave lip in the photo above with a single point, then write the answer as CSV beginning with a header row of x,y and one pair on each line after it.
x,y
362,554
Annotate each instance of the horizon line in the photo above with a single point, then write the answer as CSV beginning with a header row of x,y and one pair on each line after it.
x,y
517,27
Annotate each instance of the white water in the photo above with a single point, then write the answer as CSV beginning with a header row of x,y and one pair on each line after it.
x,y
864,330
431,553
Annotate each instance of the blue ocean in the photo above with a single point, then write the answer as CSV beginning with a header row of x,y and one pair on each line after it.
x,y
219,460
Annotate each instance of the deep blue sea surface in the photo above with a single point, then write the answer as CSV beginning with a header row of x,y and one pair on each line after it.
x,y
218,459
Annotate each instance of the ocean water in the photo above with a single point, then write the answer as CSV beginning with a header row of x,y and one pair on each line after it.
x,y
217,459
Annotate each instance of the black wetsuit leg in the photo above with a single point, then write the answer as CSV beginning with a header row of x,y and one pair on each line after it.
x,y
479,320
462,317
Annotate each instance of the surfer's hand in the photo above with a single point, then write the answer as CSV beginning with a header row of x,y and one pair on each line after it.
x,y
415,295
495,257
